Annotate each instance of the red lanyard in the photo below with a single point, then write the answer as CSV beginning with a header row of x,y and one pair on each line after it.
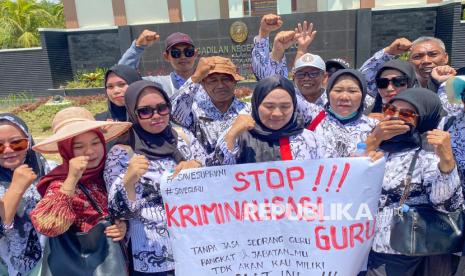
x,y
315,122
285,148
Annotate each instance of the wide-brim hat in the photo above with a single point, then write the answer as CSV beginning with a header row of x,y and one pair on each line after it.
x,y
454,89
73,121
224,66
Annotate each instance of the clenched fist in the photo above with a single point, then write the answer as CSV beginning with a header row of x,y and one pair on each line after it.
x,y
268,24
443,73
138,166
399,46
440,140
242,123
77,166
23,177
203,68
282,41
147,38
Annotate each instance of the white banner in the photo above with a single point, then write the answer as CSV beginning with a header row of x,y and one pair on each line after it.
x,y
313,217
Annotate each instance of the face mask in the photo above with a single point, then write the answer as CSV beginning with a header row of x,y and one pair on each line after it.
x,y
342,118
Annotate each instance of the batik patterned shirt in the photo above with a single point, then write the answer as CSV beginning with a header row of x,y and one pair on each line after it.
x,y
451,108
429,186
151,246
457,137
193,109
341,139
20,249
262,64
304,146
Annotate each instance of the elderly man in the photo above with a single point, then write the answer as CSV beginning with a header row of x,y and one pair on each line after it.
x,y
206,104
426,53
180,52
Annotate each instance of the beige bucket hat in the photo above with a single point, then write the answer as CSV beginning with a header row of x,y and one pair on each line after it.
x,y
73,121
225,66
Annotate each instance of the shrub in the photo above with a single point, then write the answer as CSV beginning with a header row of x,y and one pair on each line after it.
x,y
86,79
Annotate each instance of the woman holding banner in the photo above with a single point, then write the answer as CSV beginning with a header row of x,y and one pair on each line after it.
x,y
133,172
275,131
341,122
418,177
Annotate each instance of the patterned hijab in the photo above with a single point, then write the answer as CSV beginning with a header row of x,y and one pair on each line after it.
x,y
33,159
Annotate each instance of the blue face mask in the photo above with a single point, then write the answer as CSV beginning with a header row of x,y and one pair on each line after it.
x,y
342,118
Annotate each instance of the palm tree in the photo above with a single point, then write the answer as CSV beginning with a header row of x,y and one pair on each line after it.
x,y
20,19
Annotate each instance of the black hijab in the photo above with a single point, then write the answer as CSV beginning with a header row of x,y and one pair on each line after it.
x,y
152,146
429,110
118,113
33,159
262,89
261,144
402,66
361,83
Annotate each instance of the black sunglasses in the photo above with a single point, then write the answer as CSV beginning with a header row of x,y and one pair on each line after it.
x,y
188,52
396,81
146,112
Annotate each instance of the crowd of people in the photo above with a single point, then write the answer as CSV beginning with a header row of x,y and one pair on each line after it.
x,y
112,164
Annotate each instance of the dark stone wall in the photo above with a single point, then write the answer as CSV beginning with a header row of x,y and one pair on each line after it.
x,y
353,35
91,49
452,32
387,25
55,49
336,38
24,71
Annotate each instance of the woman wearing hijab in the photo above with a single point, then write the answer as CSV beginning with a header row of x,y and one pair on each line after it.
x,y
275,131
117,80
341,123
392,78
66,191
434,182
133,173
20,167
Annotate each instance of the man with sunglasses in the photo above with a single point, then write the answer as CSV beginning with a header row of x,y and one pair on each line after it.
x,y
180,52
206,103
425,53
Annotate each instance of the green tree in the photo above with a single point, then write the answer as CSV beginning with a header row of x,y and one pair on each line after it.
x,y
20,20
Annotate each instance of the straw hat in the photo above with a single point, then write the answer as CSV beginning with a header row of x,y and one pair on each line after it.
x,y
454,88
73,121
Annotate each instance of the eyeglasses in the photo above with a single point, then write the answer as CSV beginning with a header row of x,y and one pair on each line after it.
x,y
312,75
17,145
188,52
405,114
396,81
146,112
